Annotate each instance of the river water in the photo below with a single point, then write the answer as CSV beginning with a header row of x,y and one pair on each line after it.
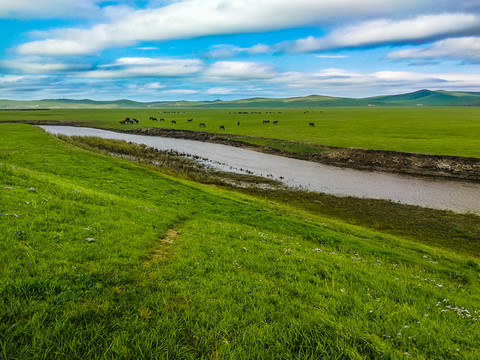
x,y
458,196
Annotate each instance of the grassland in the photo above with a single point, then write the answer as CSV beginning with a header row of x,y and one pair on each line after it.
x,y
181,270
435,130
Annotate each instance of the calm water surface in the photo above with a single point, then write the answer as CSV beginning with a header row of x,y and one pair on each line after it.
x,y
433,193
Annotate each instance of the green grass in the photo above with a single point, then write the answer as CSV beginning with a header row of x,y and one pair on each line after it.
x,y
436,130
238,278
448,230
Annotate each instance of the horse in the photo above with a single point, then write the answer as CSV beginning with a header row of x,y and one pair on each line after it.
x,y
173,122
135,121
266,121
222,127
202,125
122,122
312,124
189,120
162,119
275,122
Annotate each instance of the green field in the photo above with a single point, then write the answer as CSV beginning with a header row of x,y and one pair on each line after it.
x,y
181,270
427,130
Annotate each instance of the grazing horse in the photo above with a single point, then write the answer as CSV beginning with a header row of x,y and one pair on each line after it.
x,y
275,122
173,122
135,121
122,122
222,127
162,119
312,124
202,125
266,121
189,120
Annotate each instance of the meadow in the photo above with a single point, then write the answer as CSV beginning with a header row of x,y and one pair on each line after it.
x,y
425,130
107,258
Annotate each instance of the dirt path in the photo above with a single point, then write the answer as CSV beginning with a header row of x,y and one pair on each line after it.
x,y
163,249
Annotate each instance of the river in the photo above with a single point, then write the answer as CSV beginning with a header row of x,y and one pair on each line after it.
x,y
458,196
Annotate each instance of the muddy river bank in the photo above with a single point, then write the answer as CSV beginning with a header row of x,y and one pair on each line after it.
x,y
455,167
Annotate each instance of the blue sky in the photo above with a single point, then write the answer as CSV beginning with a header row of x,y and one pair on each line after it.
x,y
155,50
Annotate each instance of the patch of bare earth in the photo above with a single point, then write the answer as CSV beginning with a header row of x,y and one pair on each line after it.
x,y
163,249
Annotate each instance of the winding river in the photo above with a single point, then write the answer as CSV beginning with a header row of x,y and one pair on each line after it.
x,y
458,196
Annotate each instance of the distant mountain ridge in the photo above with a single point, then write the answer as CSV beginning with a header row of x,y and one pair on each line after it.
x,y
418,98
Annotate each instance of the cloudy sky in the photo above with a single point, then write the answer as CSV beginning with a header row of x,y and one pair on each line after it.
x,y
154,50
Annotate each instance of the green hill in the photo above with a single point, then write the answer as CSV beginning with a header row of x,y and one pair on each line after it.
x,y
417,98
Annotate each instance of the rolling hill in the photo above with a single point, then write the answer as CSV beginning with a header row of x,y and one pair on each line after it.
x,y
418,98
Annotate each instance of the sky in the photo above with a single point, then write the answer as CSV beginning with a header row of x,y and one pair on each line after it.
x,y
167,50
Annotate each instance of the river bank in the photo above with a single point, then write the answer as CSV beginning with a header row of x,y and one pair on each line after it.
x,y
445,166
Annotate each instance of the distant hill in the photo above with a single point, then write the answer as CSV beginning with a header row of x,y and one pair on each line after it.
x,y
417,98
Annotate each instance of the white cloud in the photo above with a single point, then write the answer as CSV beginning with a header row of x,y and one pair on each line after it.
x,y
223,51
224,70
220,91
47,9
180,91
130,67
74,42
378,32
348,83
154,86
464,48
37,65
194,18
334,82
259,49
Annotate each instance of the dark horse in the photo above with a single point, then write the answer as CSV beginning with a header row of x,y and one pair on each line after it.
x,y
202,125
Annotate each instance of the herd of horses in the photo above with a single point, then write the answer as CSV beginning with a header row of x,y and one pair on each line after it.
x,y
129,121
202,125
135,121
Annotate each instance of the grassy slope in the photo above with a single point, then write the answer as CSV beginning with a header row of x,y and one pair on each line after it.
x,y
441,131
239,278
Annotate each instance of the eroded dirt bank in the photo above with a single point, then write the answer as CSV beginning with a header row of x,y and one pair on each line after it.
x,y
456,167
